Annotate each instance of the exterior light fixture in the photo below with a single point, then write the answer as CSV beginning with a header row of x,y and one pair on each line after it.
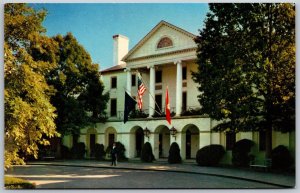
x,y
147,132
173,132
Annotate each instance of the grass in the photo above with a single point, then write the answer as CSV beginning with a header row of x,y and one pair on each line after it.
x,y
17,183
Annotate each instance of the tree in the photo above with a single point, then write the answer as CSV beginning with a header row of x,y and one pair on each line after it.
x,y
77,84
29,115
246,67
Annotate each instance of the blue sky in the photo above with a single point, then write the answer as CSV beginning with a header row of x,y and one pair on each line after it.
x,y
93,25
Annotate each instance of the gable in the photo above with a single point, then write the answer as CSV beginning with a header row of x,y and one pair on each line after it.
x,y
163,38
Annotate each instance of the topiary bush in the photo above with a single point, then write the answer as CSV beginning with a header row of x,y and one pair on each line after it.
x,y
281,158
240,153
99,151
174,154
78,150
65,152
120,151
146,154
210,155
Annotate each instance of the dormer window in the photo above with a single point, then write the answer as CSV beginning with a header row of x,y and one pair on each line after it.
x,y
164,42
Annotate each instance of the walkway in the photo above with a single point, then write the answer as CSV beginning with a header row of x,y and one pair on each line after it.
x,y
283,180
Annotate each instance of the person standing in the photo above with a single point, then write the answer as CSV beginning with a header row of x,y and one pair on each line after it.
x,y
114,155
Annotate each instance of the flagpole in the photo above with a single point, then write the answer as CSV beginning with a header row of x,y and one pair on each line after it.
x,y
160,113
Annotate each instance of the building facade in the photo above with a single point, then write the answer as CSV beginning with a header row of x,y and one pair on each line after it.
x,y
165,58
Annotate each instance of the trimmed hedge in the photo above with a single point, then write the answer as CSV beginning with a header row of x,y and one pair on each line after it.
x,y
240,153
78,150
65,152
120,151
99,151
210,155
281,158
146,154
17,183
174,154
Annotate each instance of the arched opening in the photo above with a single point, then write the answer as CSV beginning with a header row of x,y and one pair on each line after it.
x,y
91,141
136,141
110,136
162,138
188,137
139,141
191,141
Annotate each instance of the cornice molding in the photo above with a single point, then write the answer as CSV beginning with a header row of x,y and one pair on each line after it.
x,y
162,54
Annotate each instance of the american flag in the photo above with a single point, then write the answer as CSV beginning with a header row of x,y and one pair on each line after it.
x,y
141,91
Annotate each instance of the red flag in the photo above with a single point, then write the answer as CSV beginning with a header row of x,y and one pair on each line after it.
x,y
168,114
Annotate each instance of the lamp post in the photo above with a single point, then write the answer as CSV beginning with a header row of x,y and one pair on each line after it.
x,y
173,132
147,132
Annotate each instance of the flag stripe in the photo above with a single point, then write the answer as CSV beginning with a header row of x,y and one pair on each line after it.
x,y
141,91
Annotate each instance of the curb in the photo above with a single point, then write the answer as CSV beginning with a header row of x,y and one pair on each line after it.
x,y
171,171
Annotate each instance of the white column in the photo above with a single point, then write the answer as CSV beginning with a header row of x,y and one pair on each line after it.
x,y
128,81
152,91
178,88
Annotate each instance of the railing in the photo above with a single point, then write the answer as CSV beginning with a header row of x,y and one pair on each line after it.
x,y
144,113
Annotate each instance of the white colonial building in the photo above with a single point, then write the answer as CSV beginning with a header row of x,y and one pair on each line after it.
x,y
165,57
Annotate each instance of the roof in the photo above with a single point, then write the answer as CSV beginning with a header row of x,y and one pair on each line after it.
x,y
161,23
114,68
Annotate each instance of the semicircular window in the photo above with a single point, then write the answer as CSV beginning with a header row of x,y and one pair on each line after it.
x,y
164,42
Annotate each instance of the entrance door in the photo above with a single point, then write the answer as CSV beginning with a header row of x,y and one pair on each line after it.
x,y
160,145
188,145
92,145
139,141
111,139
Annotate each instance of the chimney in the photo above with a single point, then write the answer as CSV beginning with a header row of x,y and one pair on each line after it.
x,y
120,48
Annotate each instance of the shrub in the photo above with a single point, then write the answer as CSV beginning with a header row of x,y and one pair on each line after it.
x,y
240,153
120,151
99,151
281,158
65,152
17,183
210,155
174,154
147,155
78,150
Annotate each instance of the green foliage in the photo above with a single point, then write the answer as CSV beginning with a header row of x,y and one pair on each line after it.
x,y
78,150
17,183
240,153
77,84
99,151
281,158
29,115
174,154
210,155
146,154
120,151
246,67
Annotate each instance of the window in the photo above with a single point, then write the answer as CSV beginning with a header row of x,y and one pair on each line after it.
x,y
184,73
158,101
184,102
164,42
113,82
113,107
133,80
230,140
158,76
262,140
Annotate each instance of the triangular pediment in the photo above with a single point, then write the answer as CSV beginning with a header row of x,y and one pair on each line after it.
x,y
152,43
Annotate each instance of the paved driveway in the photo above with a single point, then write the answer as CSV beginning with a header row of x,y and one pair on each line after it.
x,y
67,177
